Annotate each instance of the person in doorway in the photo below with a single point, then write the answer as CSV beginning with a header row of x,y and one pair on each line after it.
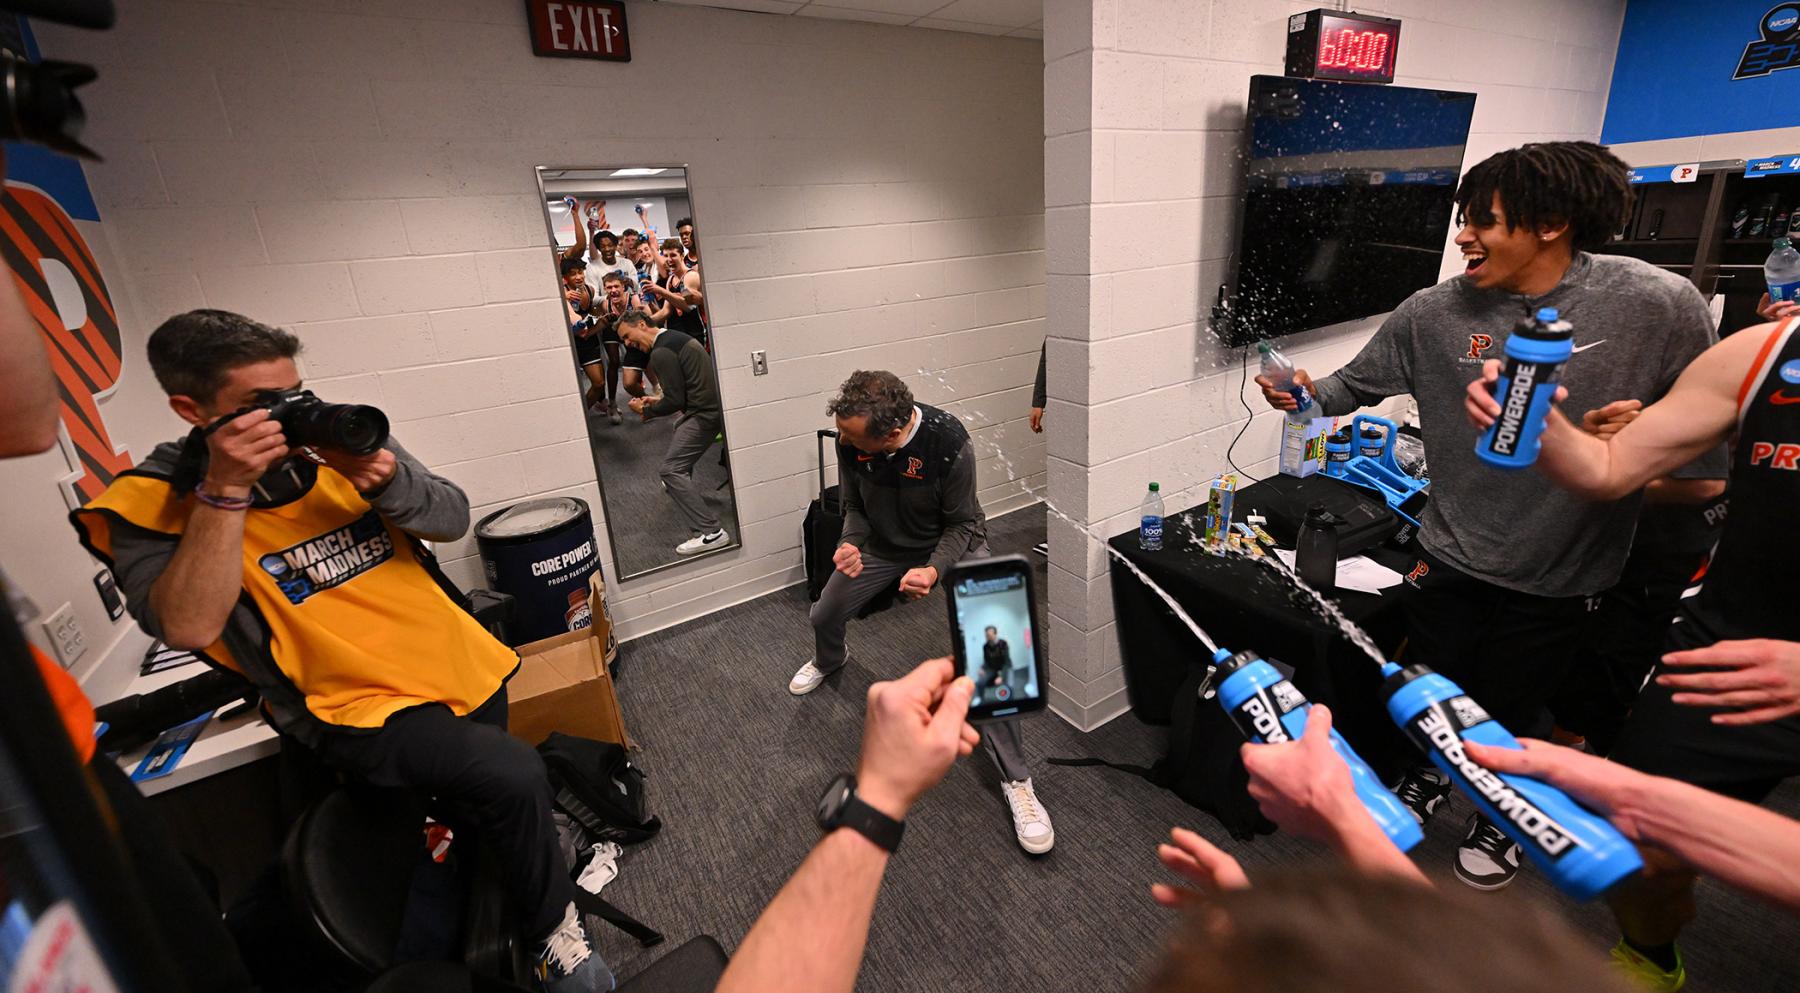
x,y
690,245
1722,709
690,392
1509,566
910,512
677,296
306,571
996,661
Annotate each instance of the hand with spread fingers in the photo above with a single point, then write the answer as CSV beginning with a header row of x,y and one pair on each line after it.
x,y
1754,681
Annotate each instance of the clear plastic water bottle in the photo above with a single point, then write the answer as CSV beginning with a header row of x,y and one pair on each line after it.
x,y
1782,271
1150,520
1280,370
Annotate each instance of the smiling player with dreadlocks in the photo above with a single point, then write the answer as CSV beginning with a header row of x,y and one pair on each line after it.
x,y
1509,566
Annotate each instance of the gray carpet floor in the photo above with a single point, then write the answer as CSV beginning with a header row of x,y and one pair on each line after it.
x,y
736,765
646,526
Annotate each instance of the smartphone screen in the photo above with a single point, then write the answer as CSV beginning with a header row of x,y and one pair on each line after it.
x,y
992,607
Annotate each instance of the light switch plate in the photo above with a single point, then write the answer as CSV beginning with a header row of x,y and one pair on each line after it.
x,y
759,363
64,632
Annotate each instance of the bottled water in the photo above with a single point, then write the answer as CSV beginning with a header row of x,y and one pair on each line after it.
x,y
1782,271
1150,521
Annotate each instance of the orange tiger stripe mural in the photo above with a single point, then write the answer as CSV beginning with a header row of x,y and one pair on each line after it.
x,y
65,293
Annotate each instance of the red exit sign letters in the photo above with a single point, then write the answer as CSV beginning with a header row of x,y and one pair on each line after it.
x,y
579,29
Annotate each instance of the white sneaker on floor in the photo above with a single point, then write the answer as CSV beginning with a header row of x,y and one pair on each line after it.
x,y
1031,823
1487,859
701,542
567,961
616,417
807,678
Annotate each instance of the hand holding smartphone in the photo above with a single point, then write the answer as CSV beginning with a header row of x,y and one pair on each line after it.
x,y
993,611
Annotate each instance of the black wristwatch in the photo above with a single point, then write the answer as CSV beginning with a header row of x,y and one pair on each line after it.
x,y
841,807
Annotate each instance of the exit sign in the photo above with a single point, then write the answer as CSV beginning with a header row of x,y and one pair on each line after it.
x,y
579,29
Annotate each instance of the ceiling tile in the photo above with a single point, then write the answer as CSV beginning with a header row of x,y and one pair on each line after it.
x,y
1012,13
846,14
758,6
912,8
943,25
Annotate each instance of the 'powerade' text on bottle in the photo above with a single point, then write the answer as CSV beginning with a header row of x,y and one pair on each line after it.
x,y
1579,850
1150,521
1535,353
1268,708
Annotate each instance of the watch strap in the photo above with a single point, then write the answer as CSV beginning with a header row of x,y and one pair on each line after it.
x,y
872,824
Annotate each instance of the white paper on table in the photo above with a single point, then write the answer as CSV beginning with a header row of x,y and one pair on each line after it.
x,y
1358,572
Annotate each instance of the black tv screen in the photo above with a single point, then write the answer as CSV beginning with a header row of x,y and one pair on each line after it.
x,y
1348,198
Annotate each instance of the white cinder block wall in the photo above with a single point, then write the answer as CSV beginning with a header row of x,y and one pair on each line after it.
x,y
867,196
1143,116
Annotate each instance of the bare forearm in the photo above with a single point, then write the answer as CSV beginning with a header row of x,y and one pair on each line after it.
x,y
1737,843
1581,463
194,597
811,936
1359,841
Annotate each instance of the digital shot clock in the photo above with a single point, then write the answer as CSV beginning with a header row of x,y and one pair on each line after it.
x,y
1329,44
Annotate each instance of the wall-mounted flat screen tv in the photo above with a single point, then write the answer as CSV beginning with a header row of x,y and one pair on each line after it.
x,y
1348,198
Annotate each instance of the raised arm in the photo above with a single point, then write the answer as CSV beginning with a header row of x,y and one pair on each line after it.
x,y
1698,413
579,249
811,936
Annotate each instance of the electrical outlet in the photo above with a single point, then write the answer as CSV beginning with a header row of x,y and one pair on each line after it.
x,y
759,363
66,639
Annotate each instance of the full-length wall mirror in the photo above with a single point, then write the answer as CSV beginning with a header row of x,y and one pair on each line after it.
x,y
626,265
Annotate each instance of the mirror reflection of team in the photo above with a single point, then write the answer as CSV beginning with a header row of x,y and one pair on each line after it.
x,y
637,316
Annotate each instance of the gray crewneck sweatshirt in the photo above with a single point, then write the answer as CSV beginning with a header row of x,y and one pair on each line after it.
x,y
1636,328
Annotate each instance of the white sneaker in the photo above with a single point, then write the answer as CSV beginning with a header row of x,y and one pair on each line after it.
x,y
807,679
567,962
1031,823
701,542
616,417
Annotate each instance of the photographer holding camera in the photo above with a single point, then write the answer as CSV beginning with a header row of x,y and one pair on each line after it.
x,y
309,575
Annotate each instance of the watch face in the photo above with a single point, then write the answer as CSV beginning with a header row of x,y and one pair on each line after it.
x,y
831,804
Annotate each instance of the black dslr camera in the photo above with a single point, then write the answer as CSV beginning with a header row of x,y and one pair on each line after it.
x,y
38,99
309,421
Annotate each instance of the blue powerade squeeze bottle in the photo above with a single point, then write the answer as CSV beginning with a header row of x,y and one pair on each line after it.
x,y
1535,353
1580,852
1268,708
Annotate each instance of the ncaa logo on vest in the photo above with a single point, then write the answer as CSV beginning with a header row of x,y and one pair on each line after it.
x,y
1791,372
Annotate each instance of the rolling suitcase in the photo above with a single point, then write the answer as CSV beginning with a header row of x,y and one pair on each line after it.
x,y
819,534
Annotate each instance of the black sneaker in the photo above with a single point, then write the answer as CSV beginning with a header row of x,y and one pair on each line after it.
x,y
1487,859
1423,791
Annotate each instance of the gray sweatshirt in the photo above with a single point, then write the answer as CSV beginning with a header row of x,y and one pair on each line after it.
x,y
684,369
1636,328
917,504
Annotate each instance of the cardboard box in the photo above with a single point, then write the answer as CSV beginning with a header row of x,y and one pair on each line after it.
x,y
1218,512
563,683
1303,445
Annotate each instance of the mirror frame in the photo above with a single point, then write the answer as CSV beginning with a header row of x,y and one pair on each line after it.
x,y
612,545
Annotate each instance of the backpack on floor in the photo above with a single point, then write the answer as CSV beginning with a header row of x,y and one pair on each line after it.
x,y
602,795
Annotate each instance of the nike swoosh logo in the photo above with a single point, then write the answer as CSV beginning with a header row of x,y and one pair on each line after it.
x,y
1780,399
1587,346
864,458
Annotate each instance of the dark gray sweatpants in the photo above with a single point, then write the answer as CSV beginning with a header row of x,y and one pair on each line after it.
x,y
839,602
694,434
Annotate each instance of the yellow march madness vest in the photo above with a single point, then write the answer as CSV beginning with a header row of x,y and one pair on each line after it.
x,y
356,621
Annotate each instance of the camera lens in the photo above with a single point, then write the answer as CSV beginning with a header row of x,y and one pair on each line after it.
x,y
358,429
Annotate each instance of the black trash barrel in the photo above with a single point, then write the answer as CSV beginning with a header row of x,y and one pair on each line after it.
x,y
541,552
